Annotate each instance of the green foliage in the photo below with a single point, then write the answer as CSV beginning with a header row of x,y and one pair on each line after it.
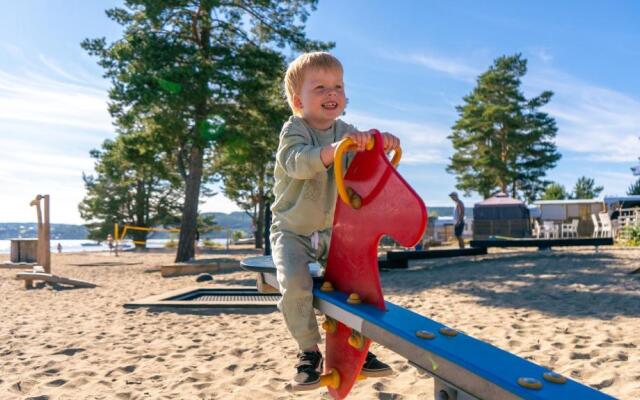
x,y
246,161
210,243
134,184
586,188
554,191
206,223
181,66
501,139
237,235
634,188
632,233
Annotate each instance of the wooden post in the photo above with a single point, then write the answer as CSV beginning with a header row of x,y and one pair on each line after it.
x,y
46,238
44,252
115,234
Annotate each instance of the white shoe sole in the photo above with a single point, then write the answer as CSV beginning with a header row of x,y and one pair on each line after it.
x,y
381,373
297,387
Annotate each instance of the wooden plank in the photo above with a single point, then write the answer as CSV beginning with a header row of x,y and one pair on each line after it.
x,y
29,277
17,265
441,253
200,267
392,264
542,243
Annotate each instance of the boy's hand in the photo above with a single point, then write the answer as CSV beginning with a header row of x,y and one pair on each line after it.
x,y
390,142
360,139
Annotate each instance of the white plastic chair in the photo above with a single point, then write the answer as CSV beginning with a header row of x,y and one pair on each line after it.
x,y
570,229
597,226
549,229
537,229
606,227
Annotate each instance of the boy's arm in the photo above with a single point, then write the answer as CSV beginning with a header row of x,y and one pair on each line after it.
x,y
299,158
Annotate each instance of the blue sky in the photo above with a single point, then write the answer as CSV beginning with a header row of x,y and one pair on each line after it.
x,y
407,65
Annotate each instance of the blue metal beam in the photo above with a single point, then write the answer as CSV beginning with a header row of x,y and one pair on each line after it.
x,y
468,364
475,369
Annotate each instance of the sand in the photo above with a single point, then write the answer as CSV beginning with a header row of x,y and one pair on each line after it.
x,y
575,311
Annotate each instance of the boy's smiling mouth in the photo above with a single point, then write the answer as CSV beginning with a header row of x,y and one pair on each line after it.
x,y
331,105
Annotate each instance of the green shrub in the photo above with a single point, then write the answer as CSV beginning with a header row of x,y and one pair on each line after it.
x,y
237,235
633,235
210,243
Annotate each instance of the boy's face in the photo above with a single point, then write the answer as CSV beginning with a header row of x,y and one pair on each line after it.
x,y
321,99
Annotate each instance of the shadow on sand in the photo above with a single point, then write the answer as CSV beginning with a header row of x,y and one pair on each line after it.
x,y
567,284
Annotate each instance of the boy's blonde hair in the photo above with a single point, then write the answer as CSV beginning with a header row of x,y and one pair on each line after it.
x,y
294,77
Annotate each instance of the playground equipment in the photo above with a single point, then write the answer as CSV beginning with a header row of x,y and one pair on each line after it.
x,y
400,259
542,244
199,297
375,200
44,230
38,274
139,228
42,271
120,237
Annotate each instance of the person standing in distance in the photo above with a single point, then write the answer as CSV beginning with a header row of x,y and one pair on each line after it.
x,y
458,218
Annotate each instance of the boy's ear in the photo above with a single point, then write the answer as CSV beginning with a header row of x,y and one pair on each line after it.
x,y
297,102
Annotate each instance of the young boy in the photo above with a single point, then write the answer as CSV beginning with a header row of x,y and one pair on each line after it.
x,y
305,197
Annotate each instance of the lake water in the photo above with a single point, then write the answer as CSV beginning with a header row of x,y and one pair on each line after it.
x,y
73,246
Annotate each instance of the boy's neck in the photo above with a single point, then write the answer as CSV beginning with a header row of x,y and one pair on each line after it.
x,y
319,125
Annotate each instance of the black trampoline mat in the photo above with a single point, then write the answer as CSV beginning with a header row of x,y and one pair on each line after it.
x,y
241,297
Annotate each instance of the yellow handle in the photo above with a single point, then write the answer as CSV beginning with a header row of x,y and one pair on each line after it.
x,y
346,145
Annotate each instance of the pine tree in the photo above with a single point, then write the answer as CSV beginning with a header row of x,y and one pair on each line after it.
x,y
634,188
134,184
554,191
502,141
178,63
586,188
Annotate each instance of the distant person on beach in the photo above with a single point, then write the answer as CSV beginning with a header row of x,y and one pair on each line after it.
x,y
59,247
110,242
458,218
305,198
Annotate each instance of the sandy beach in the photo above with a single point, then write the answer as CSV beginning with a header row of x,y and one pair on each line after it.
x,y
577,312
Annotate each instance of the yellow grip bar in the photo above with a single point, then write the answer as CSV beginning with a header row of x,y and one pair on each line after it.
x,y
346,145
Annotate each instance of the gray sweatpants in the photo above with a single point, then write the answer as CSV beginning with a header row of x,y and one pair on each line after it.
x,y
291,255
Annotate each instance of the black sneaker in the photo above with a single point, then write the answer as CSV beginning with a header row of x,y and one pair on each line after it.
x,y
309,368
374,368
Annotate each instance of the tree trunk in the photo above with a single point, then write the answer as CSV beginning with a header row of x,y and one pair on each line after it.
x,y
260,223
140,237
186,249
267,229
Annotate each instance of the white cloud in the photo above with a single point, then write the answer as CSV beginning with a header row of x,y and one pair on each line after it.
x,y
49,120
599,123
35,98
455,68
421,142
